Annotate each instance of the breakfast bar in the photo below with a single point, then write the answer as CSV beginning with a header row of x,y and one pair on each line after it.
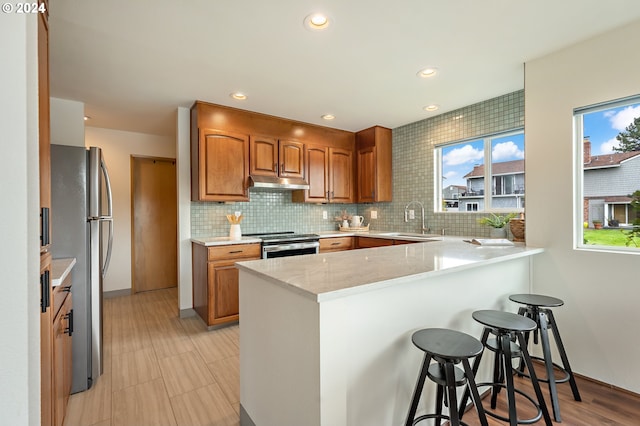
x,y
326,339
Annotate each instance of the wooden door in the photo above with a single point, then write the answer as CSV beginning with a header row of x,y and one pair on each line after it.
x,y
263,156
340,175
366,180
224,166
291,159
154,220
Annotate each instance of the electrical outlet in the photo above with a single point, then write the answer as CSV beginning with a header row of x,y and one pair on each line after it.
x,y
412,214
374,214
325,215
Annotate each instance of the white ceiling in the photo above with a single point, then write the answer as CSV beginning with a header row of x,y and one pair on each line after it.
x,y
133,62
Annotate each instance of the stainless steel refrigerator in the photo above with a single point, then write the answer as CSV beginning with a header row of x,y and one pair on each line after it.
x,y
82,227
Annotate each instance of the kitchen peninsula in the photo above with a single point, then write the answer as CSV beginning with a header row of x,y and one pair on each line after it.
x,y
326,339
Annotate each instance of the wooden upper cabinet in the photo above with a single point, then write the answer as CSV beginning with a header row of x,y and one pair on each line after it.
x,y
272,157
44,127
374,170
222,171
330,176
317,163
341,176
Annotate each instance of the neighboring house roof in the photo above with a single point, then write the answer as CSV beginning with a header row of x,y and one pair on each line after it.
x,y
501,168
609,160
618,199
459,187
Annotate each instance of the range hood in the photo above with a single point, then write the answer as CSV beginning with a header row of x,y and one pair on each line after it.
x,y
256,181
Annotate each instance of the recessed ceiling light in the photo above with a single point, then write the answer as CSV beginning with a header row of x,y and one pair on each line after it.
x,y
317,21
431,108
328,117
427,72
87,118
238,96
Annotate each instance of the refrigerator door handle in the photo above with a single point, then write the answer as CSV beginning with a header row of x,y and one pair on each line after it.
x,y
109,246
108,217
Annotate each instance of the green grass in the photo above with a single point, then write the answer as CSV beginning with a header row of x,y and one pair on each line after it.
x,y
606,237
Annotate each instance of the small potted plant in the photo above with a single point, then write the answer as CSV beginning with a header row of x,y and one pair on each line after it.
x,y
597,224
497,224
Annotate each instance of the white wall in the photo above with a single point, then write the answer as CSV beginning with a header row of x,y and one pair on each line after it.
x,y
19,224
183,150
67,122
118,147
601,293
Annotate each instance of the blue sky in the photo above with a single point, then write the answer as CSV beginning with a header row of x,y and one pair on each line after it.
x,y
602,127
459,159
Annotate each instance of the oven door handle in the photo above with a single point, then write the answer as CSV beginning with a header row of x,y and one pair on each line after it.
x,y
290,246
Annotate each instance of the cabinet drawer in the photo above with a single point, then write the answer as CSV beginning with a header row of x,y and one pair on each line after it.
x,y
235,251
336,243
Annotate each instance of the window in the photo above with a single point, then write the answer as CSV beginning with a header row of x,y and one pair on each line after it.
x,y
608,179
463,181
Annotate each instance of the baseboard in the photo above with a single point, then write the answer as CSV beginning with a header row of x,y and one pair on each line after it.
x,y
245,419
116,293
187,313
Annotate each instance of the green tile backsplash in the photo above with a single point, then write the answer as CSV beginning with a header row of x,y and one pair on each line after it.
x,y
413,156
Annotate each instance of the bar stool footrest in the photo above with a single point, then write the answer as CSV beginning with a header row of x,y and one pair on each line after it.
x,y
518,391
556,367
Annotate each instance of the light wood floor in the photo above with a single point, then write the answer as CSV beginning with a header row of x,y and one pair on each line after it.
x,y
163,370
160,369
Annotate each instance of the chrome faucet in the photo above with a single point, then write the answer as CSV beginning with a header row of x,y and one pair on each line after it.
x,y
406,213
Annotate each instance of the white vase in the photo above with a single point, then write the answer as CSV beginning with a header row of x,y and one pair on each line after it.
x,y
498,232
235,233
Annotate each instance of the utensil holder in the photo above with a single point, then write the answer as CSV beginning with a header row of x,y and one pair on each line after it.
x,y
235,233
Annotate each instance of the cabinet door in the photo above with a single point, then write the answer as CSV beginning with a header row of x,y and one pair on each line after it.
x,y
224,166
46,343
264,156
44,128
223,292
61,361
366,179
340,176
291,159
317,164
366,242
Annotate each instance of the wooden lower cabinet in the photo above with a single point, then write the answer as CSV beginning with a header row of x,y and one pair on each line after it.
x,y
368,242
46,343
215,280
336,244
62,358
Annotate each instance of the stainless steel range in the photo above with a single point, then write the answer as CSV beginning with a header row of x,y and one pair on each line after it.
x,y
282,244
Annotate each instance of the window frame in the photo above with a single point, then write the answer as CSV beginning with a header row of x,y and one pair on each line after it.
x,y
578,175
488,177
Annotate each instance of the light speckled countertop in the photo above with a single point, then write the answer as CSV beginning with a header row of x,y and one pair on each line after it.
x,y
222,241
60,268
332,275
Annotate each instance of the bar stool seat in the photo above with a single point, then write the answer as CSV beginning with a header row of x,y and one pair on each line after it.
x,y
447,348
537,310
508,327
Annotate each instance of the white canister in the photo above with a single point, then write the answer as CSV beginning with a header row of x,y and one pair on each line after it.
x,y
345,223
235,233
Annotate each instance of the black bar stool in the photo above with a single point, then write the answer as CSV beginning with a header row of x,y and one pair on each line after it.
x,y
447,348
537,309
508,328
